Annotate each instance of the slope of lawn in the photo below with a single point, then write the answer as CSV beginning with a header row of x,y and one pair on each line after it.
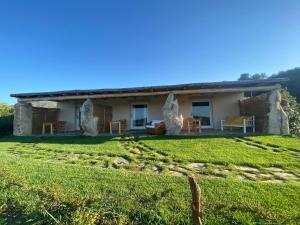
x,y
280,141
127,180
224,150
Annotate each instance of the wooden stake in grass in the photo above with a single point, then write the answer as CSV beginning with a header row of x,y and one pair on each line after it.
x,y
196,197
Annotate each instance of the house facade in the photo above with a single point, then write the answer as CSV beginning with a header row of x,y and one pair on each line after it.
x,y
210,102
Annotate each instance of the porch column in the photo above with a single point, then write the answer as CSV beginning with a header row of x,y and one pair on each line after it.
x,y
89,122
22,119
277,119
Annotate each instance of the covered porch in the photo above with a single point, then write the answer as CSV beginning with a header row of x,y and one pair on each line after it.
x,y
123,111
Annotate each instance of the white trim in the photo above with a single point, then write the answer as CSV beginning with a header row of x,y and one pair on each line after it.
x,y
131,115
210,111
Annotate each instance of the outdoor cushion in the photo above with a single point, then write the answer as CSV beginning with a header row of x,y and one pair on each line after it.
x,y
237,120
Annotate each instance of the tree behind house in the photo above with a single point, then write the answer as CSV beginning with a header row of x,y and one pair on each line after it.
x,y
6,119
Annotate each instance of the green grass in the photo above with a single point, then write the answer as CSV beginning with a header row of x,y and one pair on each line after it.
x,y
222,150
281,141
81,180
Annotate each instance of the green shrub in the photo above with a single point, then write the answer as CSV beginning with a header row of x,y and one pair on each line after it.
x,y
6,125
6,110
6,119
292,108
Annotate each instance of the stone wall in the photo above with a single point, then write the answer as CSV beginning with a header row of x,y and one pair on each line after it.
x,y
257,106
22,119
269,115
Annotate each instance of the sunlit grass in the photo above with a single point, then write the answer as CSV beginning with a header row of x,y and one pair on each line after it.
x,y
78,180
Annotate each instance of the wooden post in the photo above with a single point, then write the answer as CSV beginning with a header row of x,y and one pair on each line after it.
x,y
51,128
196,197
110,127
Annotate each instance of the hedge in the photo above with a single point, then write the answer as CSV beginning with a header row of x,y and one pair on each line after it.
x,y
6,125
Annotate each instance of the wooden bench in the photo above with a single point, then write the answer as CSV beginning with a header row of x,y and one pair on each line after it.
x,y
242,122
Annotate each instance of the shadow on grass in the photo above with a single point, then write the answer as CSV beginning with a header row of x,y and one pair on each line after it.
x,y
59,139
102,139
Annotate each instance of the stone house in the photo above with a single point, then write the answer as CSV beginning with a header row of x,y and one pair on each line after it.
x,y
211,102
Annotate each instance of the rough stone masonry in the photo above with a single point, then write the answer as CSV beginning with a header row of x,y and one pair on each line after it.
x,y
22,119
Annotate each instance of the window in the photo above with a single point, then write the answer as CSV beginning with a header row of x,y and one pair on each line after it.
x,y
201,110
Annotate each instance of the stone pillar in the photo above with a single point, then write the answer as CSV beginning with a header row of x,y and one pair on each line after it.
x,y
22,119
277,119
173,121
89,122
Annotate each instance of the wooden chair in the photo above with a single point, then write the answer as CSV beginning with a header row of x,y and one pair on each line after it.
x,y
121,125
193,125
50,125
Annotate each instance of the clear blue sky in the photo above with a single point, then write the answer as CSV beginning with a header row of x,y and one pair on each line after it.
x,y
48,45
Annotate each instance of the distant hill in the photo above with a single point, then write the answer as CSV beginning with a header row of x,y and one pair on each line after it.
x,y
293,85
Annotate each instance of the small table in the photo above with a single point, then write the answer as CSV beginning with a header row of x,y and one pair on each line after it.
x,y
117,123
44,128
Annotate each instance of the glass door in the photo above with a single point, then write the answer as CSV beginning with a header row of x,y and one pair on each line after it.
x,y
139,115
202,110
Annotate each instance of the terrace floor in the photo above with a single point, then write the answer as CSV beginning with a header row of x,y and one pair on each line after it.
x,y
204,132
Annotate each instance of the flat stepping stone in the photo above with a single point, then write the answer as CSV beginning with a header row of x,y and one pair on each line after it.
x,y
176,173
247,168
196,165
273,181
251,175
221,170
156,169
121,160
262,175
172,166
285,175
242,177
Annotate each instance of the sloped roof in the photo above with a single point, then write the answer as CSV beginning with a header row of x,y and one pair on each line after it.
x,y
177,87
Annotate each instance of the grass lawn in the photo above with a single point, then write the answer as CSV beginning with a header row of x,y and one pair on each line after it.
x,y
142,180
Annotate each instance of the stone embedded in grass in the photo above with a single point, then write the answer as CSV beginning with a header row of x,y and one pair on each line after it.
x,y
156,169
73,157
220,170
277,169
172,166
104,165
196,165
273,181
141,166
285,175
242,177
176,173
120,161
247,168
251,175
265,176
